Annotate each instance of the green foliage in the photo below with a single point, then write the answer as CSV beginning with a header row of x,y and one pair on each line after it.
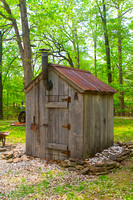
x,y
17,134
68,29
123,129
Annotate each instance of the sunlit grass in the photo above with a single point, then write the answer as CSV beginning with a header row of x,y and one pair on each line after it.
x,y
17,134
117,185
123,129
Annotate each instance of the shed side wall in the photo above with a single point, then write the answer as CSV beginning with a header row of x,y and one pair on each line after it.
x,y
98,123
76,122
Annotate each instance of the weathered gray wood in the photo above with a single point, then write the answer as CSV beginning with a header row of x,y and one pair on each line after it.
x,y
110,120
63,116
56,105
76,120
91,121
28,124
43,120
88,125
63,132
63,87
52,130
61,147
98,124
54,78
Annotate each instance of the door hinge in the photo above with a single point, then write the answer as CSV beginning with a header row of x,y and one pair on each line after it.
x,y
68,126
67,99
66,153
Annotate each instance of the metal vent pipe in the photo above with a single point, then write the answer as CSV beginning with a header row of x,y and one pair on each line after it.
x,y
47,84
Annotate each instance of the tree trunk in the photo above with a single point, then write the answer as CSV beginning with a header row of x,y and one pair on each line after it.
x,y
27,53
1,86
95,55
106,44
122,105
25,48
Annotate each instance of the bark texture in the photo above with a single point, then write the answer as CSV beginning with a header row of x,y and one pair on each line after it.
x,y
106,39
1,86
122,105
24,43
106,43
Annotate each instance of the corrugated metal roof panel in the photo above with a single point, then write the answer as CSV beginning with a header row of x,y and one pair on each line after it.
x,y
84,79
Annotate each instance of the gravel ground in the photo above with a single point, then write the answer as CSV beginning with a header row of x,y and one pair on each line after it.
x,y
12,175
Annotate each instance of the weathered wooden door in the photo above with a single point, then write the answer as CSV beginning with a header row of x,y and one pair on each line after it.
x,y
58,127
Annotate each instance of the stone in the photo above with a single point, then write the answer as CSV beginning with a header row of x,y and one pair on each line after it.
x,y
13,146
80,162
125,157
16,160
110,163
72,164
66,161
71,168
101,173
65,165
9,154
113,157
120,159
72,159
10,160
3,157
100,164
24,158
100,169
79,167
129,143
131,154
2,149
125,152
85,171
121,144
130,147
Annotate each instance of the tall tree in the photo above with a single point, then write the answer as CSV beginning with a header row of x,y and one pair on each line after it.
x,y
122,8
1,86
24,41
103,14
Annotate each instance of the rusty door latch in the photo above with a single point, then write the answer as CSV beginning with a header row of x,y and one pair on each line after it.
x,y
68,126
68,99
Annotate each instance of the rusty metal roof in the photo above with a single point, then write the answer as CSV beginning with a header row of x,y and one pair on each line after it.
x,y
84,79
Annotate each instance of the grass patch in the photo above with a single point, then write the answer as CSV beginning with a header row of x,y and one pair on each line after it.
x,y
17,134
54,184
123,129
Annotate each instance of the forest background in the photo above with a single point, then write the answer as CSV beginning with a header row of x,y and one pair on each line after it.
x,y
95,35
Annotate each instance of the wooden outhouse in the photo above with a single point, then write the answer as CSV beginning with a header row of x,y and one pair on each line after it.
x,y
69,113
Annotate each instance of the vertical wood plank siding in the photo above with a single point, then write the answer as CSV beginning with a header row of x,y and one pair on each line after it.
x,y
98,123
76,121
90,117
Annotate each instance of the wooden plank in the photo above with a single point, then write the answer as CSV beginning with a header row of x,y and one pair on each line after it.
x,y
53,117
102,122
43,120
76,120
89,125
63,132
61,147
56,104
28,124
110,120
54,78
63,87
32,105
